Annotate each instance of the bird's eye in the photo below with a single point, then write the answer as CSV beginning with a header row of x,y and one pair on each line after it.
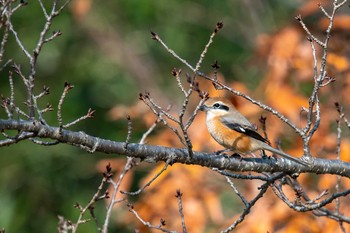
x,y
220,106
216,105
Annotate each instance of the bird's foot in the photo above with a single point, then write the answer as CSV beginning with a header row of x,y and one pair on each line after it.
x,y
264,156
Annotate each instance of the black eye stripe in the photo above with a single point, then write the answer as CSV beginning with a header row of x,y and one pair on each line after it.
x,y
221,106
224,107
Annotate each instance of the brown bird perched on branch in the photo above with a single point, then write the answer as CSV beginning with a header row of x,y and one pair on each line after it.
x,y
233,131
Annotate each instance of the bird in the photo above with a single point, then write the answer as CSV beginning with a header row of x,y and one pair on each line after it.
x,y
233,131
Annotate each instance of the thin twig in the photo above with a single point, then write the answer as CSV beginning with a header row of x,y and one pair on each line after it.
x,y
53,36
43,9
218,27
324,11
61,8
149,131
310,110
149,182
67,87
88,115
4,42
159,112
341,114
176,73
148,224
337,186
157,38
97,196
245,202
298,17
12,93
128,137
44,143
240,176
246,211
192,117
16,139
129,164
5,65
18,71
19,42
179,202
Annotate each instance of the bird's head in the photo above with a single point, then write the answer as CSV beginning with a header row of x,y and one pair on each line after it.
x,y
217,107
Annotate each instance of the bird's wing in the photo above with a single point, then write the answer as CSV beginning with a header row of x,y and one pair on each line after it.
x,y
244,129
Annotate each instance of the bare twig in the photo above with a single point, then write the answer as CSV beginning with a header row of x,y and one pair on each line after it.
x,y
246,211
48,108
96,197
19,42
322,44
149,182
44,143
310,110
128,137
245,202
88,115
191,119
129,164
67,87
157,38
4,42
324,11
240,176
176,73
317,198
53,36
179,202
341,114
148,224
16,139
43,9
149,131
218,27
46,91
6,64
337,186
5,102
12,94
159,112
18,71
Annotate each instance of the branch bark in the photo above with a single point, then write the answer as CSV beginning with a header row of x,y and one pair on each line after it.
x,y
154,154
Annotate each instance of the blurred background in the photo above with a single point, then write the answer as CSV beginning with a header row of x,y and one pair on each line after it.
x,y
107,53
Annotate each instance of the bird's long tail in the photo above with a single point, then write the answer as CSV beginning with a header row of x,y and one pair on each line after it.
x,y
287,156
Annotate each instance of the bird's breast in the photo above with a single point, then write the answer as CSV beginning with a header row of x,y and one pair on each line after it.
x,y
229,138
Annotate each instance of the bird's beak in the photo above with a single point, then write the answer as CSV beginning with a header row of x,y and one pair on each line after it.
x,y
203,108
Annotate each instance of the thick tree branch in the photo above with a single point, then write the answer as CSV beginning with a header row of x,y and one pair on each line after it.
x,y
159,153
